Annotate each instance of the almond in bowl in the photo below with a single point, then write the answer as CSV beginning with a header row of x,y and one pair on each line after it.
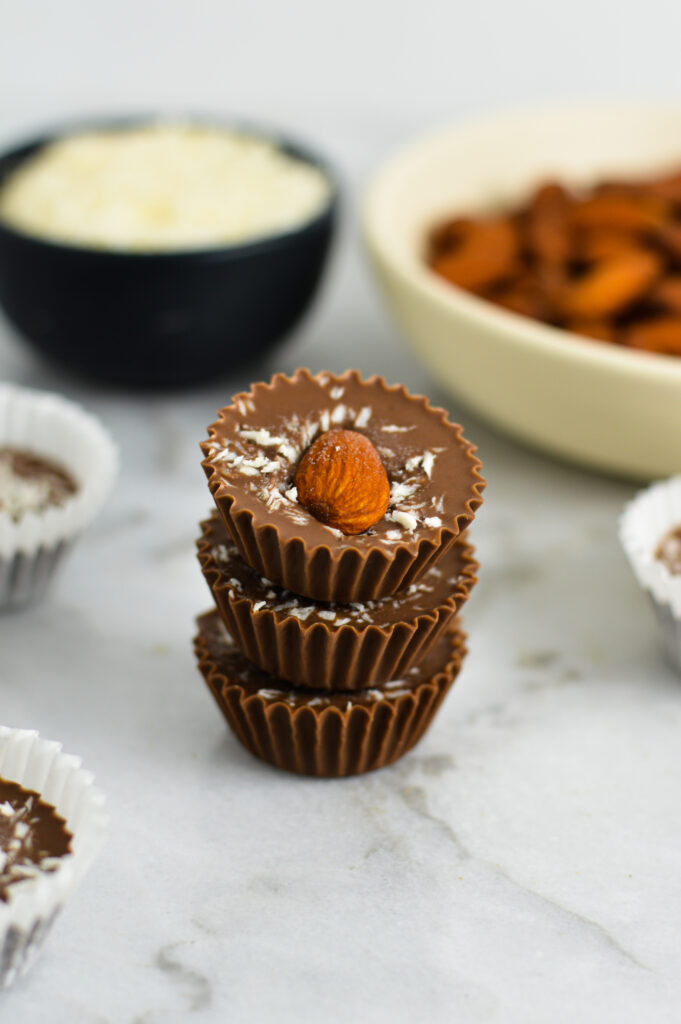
x,y
611,407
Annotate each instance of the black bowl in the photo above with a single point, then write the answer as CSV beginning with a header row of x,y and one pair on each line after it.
x,y
160,319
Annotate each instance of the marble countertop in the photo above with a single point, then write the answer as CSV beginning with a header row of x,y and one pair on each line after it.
x,y
522,865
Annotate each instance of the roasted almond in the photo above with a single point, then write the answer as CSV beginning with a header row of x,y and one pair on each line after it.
x,y
602,330
668,237
612,286
604,262
663,334
546,227
486,256
519,298
598,244
444,238
619,212
667,187
666,294
342,481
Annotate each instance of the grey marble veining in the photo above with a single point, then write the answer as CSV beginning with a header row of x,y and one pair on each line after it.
x,y
520,865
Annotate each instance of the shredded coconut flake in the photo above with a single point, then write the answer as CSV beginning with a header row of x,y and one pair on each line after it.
x,y
289,452
405,519
19,494
363,417
401,491
426,460
301,613
261,437
428,463
432,521
336,393
160,187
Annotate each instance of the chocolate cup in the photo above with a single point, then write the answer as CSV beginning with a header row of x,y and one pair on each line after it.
x,y
251,480
372,643
329,735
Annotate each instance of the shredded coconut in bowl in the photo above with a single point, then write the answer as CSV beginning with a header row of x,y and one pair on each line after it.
x,y
162,187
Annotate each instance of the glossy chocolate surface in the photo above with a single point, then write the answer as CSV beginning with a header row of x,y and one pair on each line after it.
x,y
31,483
32,836
256,445
229,661
432,589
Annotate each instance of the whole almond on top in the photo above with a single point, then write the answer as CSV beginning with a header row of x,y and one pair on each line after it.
x,y
342,481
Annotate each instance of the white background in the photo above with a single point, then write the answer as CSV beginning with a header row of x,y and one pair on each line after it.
x,y
522,866
373,70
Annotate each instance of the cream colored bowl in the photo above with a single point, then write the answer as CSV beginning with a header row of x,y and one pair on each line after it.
x,y
606,407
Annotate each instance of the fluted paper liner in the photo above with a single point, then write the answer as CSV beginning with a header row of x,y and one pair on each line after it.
x,y
250,476
40,765
50,426
326,734
321,654
645,521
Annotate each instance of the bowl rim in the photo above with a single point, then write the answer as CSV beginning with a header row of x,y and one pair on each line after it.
x,y
533,335
15,153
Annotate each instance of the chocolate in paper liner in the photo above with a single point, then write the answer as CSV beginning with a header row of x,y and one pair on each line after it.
x,y
645,522
54,428
328,735
27,917
284,542
313,651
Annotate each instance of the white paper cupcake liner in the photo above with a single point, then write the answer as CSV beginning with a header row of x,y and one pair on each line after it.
x,y
50,426
645,521
40,765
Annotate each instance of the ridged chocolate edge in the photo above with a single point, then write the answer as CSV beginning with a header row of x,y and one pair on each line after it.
x,y
330,743
327,573
325,657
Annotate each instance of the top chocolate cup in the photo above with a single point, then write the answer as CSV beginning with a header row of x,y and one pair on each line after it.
x,y
252,453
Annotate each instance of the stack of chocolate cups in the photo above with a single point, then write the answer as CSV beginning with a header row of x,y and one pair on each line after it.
x,y
329,654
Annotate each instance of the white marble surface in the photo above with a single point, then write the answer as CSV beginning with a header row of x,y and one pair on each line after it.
x,y
522,865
